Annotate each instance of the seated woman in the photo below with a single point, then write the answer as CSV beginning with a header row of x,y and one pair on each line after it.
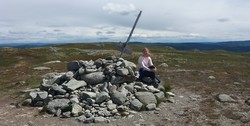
x,y
147,68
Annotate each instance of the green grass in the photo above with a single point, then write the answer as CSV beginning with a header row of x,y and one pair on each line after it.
x,y
4,62
235,65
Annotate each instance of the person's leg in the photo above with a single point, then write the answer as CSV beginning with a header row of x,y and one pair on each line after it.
x,y
141,74
155,81
158,79
153,77
150,74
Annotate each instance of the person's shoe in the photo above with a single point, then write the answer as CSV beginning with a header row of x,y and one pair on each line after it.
x,y
155,83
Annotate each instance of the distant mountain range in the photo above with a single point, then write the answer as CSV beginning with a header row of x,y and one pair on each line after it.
x,y
27,45
234,46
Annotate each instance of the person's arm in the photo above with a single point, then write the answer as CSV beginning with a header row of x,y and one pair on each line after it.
x,y
151,64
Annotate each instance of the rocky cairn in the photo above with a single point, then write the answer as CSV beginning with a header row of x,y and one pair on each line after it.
x,y
95,91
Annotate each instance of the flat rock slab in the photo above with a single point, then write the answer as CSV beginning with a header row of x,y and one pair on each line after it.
x,y
146,97
41,68
225,98
74,84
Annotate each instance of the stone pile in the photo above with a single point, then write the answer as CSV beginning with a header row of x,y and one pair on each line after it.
x,y
96,91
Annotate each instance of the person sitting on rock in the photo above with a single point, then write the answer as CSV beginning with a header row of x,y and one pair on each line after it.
x,y
147,68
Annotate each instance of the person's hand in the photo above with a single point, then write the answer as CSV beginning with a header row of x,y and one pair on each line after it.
x,y
153,70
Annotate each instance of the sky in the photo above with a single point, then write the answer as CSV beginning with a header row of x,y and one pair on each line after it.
x,y
28,21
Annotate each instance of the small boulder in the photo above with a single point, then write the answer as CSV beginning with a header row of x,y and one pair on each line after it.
x,y
74,84
101,97
225,98
93,78
136,105
146,97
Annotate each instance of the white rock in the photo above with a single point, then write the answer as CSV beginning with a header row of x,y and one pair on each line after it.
x,y
170,94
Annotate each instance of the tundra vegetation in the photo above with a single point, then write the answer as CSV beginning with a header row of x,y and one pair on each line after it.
x,y
215,82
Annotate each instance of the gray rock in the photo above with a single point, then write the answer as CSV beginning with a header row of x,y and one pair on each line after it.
x,y
38,96
74,84
116,80
93,78
171,100
89,120
47,83
211,77
163,65
146,97
141,88
58,112
130,87
52,62
101,97
98,90
81,118
86,94
69,75
76,109
90,70
129,64
27,102
41,68
91,101
131,71
170,94
225,98
98,62
85,63
122,108
74,100
118,64
56,104
104,87
81,71
160,96
153,89
138,83
73,66
129,79
100,120
151,106
88,114
118,98
66,114
122,72
136,105
111,107
58,90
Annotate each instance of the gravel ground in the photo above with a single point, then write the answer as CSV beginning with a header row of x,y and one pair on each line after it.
x,y
187,109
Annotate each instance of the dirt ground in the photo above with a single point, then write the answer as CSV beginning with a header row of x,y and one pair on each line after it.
x,y
188,109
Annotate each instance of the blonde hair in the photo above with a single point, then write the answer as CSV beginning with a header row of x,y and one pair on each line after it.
x,y
146,49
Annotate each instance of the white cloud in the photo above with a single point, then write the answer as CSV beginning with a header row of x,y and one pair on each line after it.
x,y
122,9
111,20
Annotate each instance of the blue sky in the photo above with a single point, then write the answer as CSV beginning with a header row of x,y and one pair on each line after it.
x,y
112,20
